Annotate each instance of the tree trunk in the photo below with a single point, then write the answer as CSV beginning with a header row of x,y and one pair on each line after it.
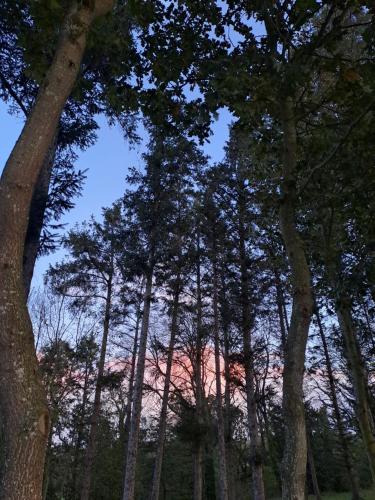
x,y
295,451
131,459
36,218
199,394
337,413
352,351
312,469
223,473
94,420
24,413
359,379
126,429
256,456
164,407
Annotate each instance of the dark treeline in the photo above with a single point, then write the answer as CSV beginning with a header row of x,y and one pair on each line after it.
x,y
211,334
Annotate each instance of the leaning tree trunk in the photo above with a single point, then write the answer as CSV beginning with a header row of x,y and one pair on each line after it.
x,y
352,351
155,488
295,450
36,218
337,413
24,413
131,459
89,459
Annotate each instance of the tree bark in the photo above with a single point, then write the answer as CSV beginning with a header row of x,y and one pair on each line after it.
x,y
256,456
155,488
126,430
311,462
89,460
131,459
337,413
24,412
295,451
198,446
36,218
223,473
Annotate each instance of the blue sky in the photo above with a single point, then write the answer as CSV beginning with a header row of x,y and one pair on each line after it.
x,y
107,163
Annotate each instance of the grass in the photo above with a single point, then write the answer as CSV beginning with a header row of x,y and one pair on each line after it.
x,y
366,495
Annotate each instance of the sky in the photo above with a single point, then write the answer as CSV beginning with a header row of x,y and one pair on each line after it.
x,y
107,163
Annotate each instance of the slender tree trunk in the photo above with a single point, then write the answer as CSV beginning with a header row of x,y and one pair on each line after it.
x,y
312,469
280,308
36,218
359,379
78,443
253,425
199,394
337,413
131,460
24,413
223,473
227,390
126,430
352,350
295,450
94,420
164,407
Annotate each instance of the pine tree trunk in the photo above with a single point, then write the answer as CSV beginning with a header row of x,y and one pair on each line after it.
x,y
256,456
80,429
337,413
24,412
311,462
36,218
131,459
359,379
352,351
94,420
199,393
126,430
223,473
295,450
164,407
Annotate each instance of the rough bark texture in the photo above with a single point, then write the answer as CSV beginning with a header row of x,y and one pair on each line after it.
x,y
131,459
155,488
94,419
24,413
295,451
256,456
337,413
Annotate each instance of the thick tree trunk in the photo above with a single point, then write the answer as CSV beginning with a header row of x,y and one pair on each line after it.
x,y
337,413
164,407
256,455
24,413
36,218
94,420
295,451
131,459
223,473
